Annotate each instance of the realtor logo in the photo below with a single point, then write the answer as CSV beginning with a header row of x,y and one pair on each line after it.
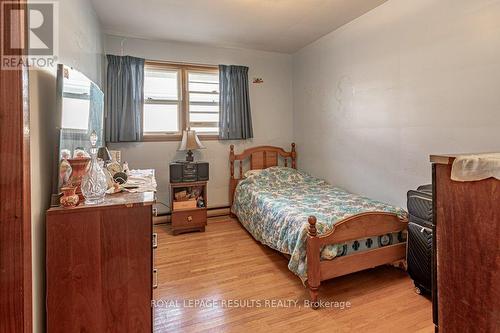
x,y
38,20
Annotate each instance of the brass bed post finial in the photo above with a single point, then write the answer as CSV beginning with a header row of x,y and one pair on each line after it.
x,y
294,156
311,231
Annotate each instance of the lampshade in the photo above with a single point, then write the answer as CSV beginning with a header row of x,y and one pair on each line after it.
x,y
190,141
103,154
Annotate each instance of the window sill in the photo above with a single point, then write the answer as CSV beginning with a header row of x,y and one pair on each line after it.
x,y
173,137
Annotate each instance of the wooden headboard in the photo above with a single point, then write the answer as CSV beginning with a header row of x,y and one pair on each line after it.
x,y
260,157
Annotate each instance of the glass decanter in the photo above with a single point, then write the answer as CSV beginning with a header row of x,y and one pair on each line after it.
x,y
94,184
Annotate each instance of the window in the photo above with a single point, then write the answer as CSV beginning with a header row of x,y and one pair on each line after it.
x,y
162,101
203,89
75,113
180,96
76,103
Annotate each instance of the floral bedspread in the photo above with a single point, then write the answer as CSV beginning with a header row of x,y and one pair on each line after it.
x,y
274,204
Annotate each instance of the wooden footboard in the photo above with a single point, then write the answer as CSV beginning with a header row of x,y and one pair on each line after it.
x,y
356,227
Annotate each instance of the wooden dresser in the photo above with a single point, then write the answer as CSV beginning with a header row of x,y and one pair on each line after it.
x,y
467,216
99,266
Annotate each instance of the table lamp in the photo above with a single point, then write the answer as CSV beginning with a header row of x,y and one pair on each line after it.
x,y
189,143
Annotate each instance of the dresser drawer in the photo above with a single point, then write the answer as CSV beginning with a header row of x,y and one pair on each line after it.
x,y
189,218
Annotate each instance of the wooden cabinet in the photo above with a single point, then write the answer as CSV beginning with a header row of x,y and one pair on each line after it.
x,y
192,219
467,218
99,266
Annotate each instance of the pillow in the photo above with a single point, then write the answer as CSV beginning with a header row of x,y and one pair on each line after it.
x,y
252,172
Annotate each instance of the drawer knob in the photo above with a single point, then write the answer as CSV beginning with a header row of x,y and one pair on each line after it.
x,y
190,219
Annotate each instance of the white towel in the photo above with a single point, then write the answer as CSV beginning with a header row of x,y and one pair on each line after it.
x,y
469,168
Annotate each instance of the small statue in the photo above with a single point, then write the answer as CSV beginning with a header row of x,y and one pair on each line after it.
x,y
64,167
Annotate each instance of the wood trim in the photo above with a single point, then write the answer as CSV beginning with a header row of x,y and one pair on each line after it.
x,y
184,100
442,159
175,137
209,137
15,194
261,157
161,137
177,64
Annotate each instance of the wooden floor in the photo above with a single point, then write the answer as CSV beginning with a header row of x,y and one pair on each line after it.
x,y
226,265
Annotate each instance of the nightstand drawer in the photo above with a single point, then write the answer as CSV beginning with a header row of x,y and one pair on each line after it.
x,y
189,218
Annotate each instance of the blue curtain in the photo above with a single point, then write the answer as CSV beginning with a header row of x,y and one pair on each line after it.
x,y
124,99
235,122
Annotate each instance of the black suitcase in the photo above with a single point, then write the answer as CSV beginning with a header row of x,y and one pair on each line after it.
x,y
420,226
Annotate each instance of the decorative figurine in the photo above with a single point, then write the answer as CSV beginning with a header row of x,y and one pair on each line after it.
x,y
125,168
64,167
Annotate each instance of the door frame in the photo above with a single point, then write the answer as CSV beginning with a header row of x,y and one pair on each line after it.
x,y
15,192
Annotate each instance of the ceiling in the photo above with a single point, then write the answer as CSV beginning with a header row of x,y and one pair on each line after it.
x,y
272,25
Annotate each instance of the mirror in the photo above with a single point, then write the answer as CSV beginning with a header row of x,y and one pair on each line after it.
x,y
81,110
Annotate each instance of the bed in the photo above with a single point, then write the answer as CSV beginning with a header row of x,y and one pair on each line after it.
x,y
325,231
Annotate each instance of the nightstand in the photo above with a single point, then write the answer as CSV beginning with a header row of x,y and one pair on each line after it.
x,y
187,215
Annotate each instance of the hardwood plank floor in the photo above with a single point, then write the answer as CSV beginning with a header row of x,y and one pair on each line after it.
x,y
226,265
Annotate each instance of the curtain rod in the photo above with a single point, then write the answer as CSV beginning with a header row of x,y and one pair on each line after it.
x,y
181,63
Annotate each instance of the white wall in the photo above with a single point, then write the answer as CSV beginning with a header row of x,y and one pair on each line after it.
x,y
81,41
374,98
271,104
80,46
